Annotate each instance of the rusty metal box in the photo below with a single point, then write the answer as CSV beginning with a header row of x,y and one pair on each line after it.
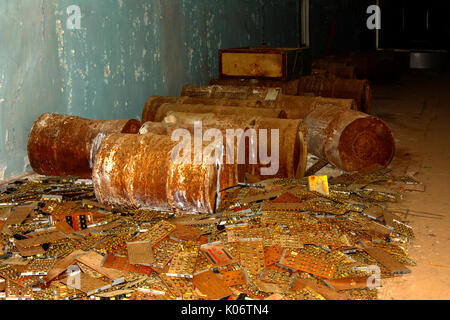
x,y
264,63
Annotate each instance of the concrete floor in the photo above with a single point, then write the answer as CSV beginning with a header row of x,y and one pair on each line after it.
x,y
417,108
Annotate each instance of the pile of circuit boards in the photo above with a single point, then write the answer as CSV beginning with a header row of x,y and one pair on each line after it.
x,y
277,240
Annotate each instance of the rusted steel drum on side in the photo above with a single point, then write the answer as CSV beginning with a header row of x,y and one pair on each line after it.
x,y
295,107
228,92
61,145
292,144
358,90
229,176
139,171
293,147
155,102
348,139
222,123
222,110
327,113
262,96
289,87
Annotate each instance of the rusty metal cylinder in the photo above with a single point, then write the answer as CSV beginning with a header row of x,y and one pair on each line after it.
x,y
223,110
250,96
155,102
358,90
180,120
289,87
295,107
291,144
228,92
61,145
140,171
263,95
350,140
229,176
327,115
293,147
208,120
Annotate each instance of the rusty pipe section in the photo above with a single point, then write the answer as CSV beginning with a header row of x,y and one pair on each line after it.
x,y
155,102
208,120
318,123
289,87
181,120
264,97
141,171
164,109
348,139
295,107
291,140
229,176
358,90
228,92
61,145
292,145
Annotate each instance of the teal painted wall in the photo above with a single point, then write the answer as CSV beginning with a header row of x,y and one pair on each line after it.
x,y
125,51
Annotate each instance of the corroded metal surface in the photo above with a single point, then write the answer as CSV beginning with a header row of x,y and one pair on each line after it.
x,y
289,87
350,140
217,109
176,120
292,145
60,145
322,114
295,107
227,177
334,70
139,171
359,90
220,91
292,138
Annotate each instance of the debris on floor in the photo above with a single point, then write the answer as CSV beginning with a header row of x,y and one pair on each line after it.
x,y
273,240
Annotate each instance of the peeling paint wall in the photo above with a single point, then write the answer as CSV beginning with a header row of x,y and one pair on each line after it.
x,y
124,52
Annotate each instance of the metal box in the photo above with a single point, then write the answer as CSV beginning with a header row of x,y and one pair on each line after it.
x,y
264,63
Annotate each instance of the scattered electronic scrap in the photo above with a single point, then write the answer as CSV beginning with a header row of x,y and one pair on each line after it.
x,y
216,230
279,239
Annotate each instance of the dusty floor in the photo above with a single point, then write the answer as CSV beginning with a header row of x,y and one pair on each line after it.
x,y
417,108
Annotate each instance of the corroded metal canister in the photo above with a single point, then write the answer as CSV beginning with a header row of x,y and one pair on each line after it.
x,y
358,90
295,107
228,92
292,143
143,172
61,145
182,120
229,176
263,96
320,127
223,110
289,87
350,140
293,147
155,102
